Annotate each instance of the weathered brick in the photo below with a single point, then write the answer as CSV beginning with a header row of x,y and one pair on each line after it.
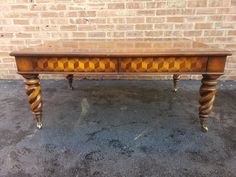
x,y
233,2
21,22
87,13
79,34
96,34
69,28
115,20
116,5
151,5
19,7
192,33
175,19
134,34
6,35
105,27
155,19
146,12
135,20
86,27
144,27
134,5
204,26
213,33
116,34
125,27
197,3
23,35
49,14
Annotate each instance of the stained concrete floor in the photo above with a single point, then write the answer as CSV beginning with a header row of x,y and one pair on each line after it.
x,y
117,129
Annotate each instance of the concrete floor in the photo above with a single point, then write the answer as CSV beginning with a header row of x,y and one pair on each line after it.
x,y
117,129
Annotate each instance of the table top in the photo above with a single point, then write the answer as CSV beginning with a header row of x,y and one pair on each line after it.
x,y
122,47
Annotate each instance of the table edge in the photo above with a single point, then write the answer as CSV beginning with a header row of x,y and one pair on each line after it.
x,y
208,53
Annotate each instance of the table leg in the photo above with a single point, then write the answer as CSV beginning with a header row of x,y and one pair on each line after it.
x,y
33,91
207,97
70,77
176,78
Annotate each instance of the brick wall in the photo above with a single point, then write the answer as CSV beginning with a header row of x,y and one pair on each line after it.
x,y
31,22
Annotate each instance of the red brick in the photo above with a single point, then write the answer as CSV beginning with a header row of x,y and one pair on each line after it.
x,y
116,6
135,20
105,27
233,2
137,34
134,5
69,28
96,34
156,4
116,34
115,20
87,13
206,11
86,27
79,34
57,7
96,20
192,33
19,7
204,26
125,27
6,35
155,19
184,26
144,27
213,33
197,3
23,35
49,14
21,22
232,32
146,12
154,33
29,15
175,19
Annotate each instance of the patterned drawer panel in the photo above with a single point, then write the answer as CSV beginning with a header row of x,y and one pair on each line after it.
x,y
147,64
163,64
51,64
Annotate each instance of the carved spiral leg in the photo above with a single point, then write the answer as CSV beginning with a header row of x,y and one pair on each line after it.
x,y
176,78
69,77
33,90
207,97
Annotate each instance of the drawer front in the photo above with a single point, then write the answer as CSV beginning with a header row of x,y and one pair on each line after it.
x,y
51,64
163,64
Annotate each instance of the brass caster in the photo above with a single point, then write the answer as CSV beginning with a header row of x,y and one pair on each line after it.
x,y
175,90
71,87
38,118
204,128
39,125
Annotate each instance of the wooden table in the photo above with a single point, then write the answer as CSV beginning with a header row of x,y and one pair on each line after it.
x,y
137,57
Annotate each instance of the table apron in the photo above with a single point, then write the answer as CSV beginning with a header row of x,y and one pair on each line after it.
x,y
198,64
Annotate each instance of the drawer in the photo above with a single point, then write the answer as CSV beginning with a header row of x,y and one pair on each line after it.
x,y
163,64
57,64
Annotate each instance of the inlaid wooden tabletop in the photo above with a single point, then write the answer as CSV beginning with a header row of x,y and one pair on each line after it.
x,y
114,48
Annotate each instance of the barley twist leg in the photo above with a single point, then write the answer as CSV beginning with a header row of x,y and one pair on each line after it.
x,y
33,91
176,78
207,97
